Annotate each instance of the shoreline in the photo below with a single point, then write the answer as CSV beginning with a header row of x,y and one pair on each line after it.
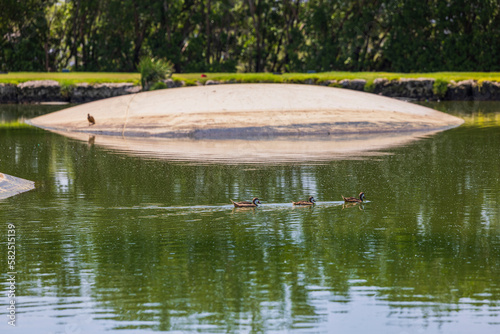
x,y
11,185
418,89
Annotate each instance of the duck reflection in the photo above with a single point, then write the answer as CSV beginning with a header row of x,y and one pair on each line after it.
x,y
348,205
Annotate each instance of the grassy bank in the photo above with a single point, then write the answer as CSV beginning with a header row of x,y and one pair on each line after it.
x,y
368,76
70,78
191,78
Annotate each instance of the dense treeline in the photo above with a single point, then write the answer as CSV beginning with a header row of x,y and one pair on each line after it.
x,y
251,35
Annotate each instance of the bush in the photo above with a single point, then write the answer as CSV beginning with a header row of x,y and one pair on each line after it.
x,y
66,90
158,85
369,87
153,71
440,88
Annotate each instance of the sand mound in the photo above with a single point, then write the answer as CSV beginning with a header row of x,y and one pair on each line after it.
x,y
246,111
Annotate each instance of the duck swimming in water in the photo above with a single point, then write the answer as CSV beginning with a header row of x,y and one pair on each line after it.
x,y
245,204
310,201
354,199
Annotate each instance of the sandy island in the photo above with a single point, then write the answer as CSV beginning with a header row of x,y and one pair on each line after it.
x,y
245,110
238,121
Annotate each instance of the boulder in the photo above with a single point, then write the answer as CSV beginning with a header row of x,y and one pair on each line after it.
x,y
356,84
39,91
85,92
329,83
461,91
8,93
419,89
386,87
173,84
211,82
486,91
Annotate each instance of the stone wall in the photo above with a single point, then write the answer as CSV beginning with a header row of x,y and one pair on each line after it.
x,y
39,91
418,89
8,93
411,89
356,84
51,91
487,91
85,92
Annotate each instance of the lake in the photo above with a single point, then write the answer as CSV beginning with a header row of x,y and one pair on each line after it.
x,y
110,241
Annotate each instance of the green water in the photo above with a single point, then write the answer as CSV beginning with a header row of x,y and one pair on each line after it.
x,y
108,241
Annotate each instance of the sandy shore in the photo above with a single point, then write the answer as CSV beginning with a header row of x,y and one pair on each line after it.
x,y
11,185
247,110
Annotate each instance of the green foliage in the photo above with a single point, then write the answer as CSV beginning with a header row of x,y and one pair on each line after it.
x,y
66,89
251,35
369,86
190,82
158,85
153,71
440,88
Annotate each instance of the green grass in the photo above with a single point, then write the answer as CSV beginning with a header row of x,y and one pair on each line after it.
x,y
368,76
72,78
14,125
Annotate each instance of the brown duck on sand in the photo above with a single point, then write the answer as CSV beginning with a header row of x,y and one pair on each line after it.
x,y
90,119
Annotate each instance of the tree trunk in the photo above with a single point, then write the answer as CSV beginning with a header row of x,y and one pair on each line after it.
x,y
207,55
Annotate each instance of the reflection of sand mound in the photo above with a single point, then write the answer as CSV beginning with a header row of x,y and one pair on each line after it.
x,y
279,150
10,185
244,111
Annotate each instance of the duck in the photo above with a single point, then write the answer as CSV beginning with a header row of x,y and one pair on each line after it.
x,y
310,201
255,201
354,199
90,119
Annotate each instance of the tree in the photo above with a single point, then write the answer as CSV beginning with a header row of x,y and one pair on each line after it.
x,y
24,30
251,35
